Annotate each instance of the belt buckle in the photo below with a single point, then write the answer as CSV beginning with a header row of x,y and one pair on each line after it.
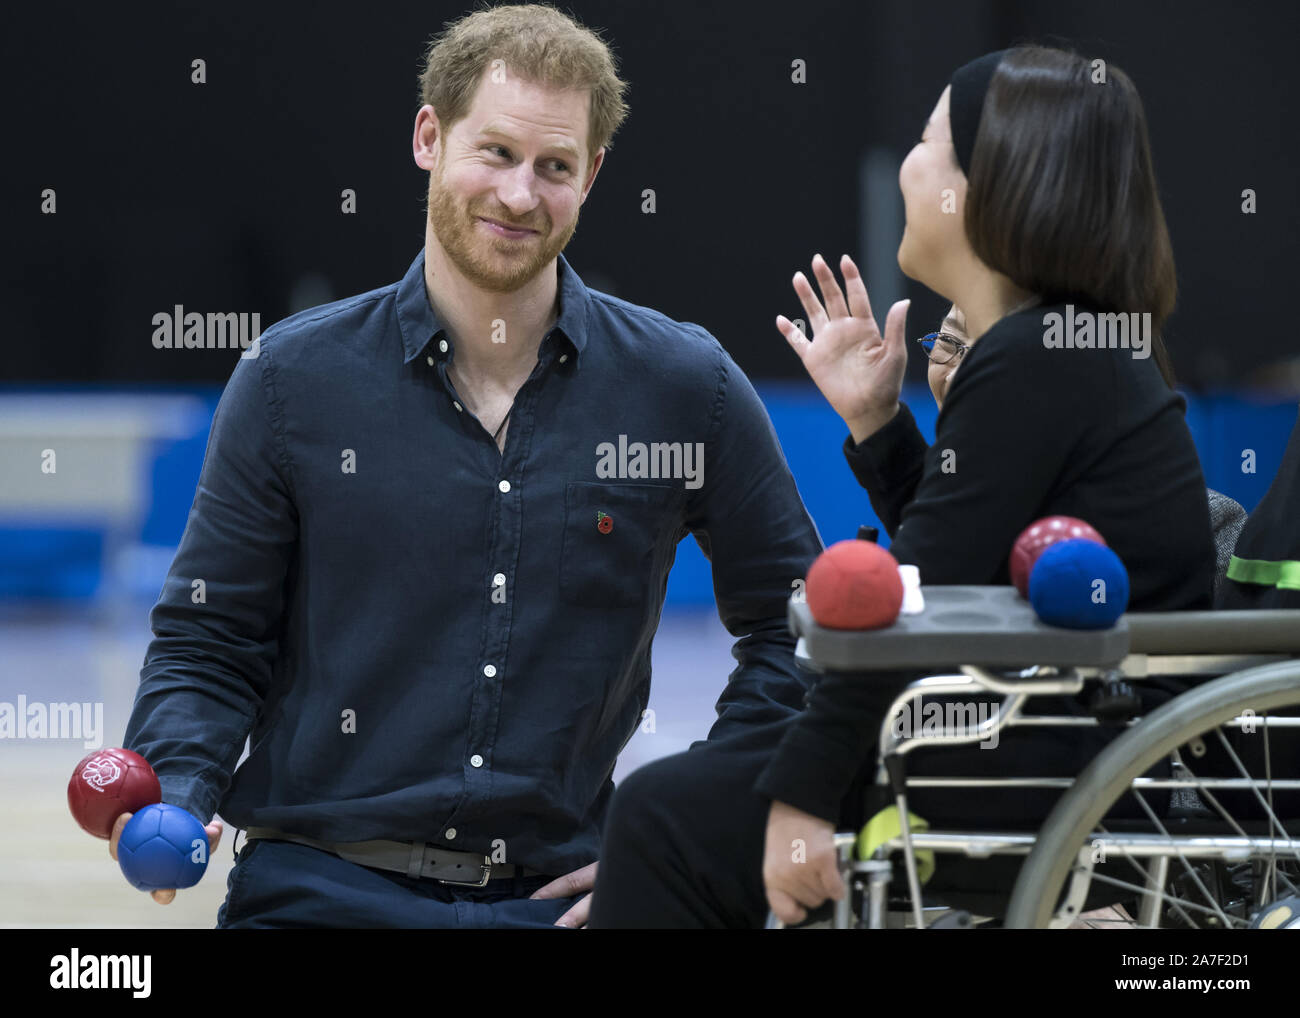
x,y
485,865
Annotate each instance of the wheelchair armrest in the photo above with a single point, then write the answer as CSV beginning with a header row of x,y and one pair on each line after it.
x,y
1272,631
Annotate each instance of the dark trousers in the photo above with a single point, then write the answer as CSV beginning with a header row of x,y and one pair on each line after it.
x,y
283,885
683,842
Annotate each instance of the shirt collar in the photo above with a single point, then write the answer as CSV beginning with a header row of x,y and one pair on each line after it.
x,y
419,324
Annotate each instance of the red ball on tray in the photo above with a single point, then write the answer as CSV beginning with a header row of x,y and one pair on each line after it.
x,y
108,783
1040,535
854,585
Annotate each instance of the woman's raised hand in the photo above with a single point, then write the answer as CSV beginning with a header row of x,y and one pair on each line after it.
x,y
858,371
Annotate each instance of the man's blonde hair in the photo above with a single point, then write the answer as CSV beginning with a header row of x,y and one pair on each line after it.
x,y
537,43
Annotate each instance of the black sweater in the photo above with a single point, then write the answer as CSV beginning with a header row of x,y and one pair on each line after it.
x,y
1025,432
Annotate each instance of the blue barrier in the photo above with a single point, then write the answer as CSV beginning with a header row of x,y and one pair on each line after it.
x,y
1233,432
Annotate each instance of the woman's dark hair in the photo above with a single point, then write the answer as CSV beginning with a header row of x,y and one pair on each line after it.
x,y
1062,197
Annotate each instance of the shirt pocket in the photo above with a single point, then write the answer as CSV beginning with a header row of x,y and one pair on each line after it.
x,y
614,539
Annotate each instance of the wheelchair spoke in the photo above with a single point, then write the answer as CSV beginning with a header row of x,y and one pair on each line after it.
x,y
1124,885
1271,879
1272,817
1264,885
1274,871
1191,872
1141,888
1173,900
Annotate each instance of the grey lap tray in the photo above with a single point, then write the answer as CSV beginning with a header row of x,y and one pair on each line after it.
x,y
994,626
960,626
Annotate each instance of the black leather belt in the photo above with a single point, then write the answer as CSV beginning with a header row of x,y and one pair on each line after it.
x,y
416,859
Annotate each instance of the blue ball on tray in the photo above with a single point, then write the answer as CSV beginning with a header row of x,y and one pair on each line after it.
x,y
1079,584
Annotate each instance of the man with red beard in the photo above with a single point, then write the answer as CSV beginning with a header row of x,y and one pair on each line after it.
x,y
424,593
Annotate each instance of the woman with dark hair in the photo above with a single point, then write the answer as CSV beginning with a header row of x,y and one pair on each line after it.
x,y
1031,204
945,350
1060,219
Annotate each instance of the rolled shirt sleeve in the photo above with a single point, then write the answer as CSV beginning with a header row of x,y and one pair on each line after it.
x,y
210,664
754,528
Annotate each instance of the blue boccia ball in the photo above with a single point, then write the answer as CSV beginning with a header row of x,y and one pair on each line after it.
x,y
1078,584
162,846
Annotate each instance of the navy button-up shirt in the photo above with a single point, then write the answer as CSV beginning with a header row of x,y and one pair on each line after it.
x,y
428,638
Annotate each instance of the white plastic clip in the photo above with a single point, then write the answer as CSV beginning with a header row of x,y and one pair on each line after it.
x,y
913,601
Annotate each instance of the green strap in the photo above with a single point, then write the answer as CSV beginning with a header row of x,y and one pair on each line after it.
x,y
1285,575
885,826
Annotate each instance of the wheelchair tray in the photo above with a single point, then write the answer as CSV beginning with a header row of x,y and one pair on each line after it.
x,y
961,625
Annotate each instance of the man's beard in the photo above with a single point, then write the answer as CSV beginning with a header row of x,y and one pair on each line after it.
x,y
495,264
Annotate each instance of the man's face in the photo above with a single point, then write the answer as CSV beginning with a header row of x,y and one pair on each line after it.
x,y
509,180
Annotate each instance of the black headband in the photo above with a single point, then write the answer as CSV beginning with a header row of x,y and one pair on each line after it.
x,y
969,85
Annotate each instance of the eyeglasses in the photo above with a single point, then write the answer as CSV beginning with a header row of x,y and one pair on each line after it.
x,y
942,348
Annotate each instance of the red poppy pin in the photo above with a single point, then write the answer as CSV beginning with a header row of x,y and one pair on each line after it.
x,y
604,522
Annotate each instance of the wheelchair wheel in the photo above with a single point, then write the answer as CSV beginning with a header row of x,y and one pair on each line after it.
x,y
1224,843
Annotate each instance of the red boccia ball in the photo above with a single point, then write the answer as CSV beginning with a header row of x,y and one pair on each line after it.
x,y
107,784
1038,536
854,585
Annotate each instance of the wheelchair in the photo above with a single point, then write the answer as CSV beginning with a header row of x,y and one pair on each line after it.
x,y
1189,817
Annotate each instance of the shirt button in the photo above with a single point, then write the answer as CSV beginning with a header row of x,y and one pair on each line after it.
x,y
442,345
451,834
476,760
504,486
430,360
489,670
563,357
456,405
498,579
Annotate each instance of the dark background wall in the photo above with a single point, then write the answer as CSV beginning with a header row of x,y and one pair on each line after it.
x,y
225,196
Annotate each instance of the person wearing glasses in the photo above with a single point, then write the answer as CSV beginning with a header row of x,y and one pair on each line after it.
x,y
945,349
1058,214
